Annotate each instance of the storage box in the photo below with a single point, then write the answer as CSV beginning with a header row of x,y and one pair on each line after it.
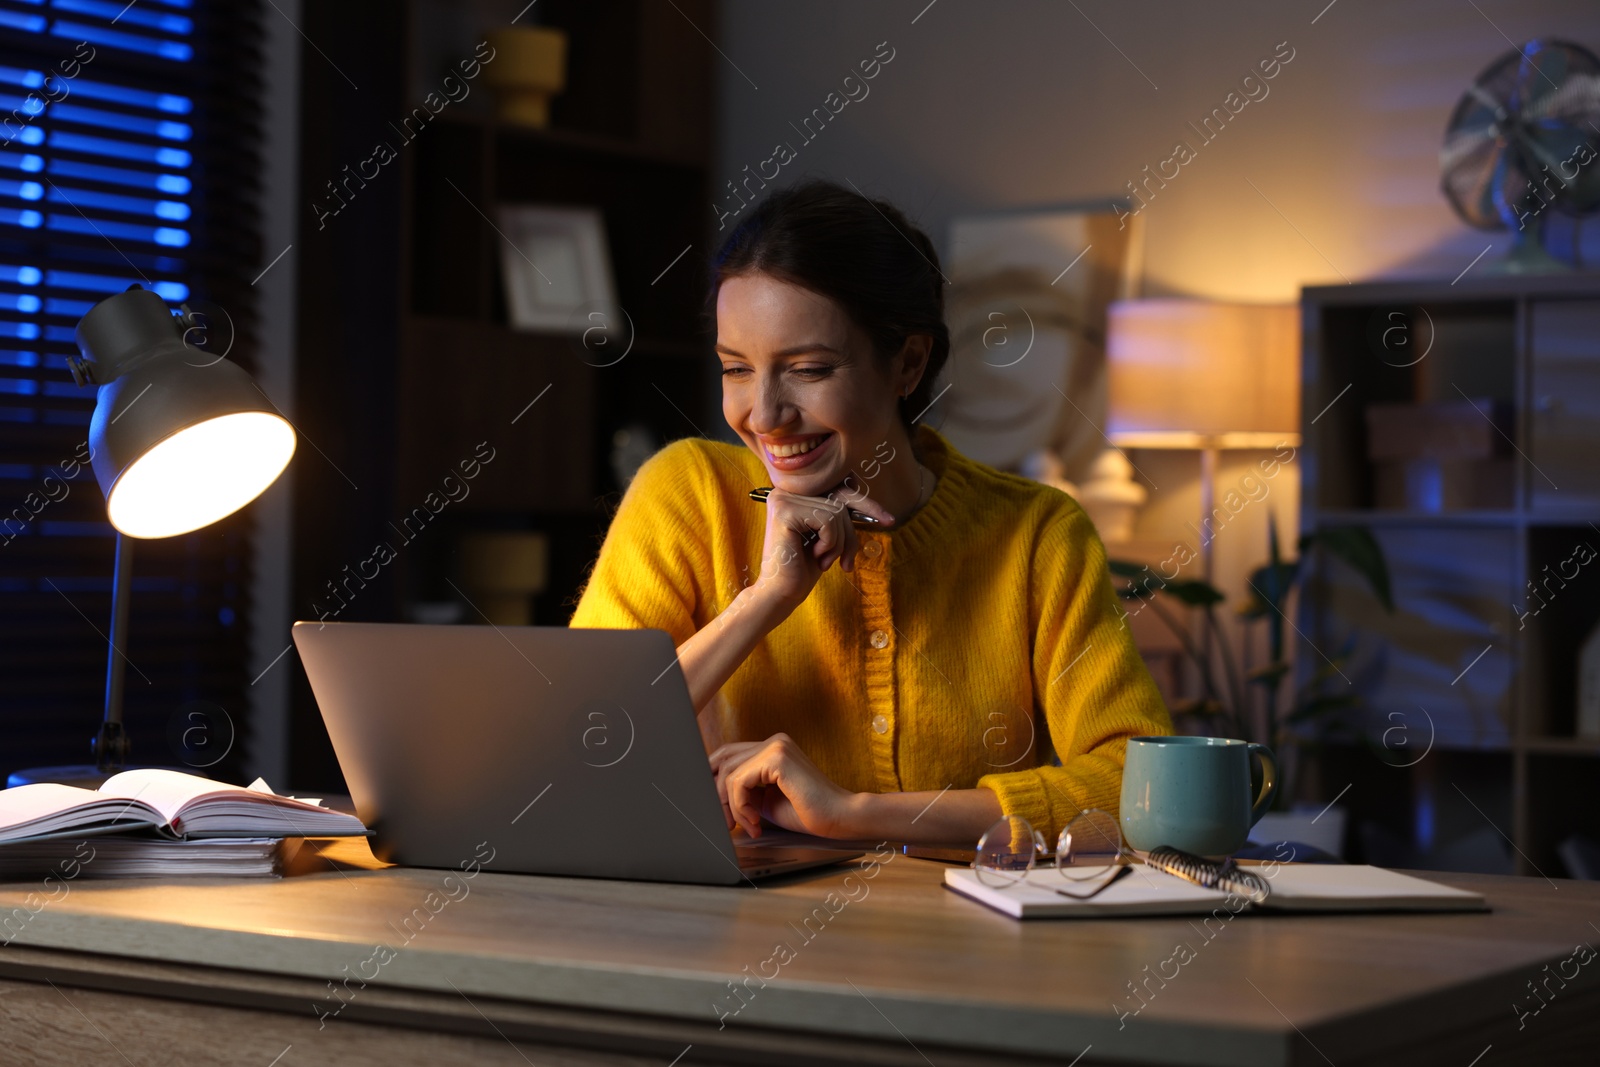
x,y
1447,430
1443,456
1433,485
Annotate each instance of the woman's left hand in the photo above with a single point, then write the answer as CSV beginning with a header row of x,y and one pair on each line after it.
x,y
776,781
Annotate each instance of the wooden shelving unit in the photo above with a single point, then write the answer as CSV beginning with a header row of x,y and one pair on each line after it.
x,y
407,361
1496,692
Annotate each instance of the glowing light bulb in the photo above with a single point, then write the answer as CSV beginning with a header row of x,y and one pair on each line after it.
x,y
201,474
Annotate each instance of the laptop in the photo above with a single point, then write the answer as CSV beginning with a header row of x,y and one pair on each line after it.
x,y
551,750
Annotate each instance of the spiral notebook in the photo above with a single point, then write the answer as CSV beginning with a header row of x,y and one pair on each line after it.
x,y
1301,887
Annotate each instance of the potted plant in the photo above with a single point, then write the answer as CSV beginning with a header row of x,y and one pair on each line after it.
x,y
1286,714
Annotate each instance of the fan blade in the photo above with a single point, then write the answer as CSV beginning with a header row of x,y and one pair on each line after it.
x,y
1520,138
1468,174
1576,101
1497,107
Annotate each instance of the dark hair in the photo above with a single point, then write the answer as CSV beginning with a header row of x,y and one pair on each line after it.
x,y
862,254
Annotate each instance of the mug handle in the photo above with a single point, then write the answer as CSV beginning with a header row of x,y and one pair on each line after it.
x,y
1269,781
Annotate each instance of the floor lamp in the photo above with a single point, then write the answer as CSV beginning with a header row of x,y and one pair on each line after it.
x,y
1203,376
1206,377
179,439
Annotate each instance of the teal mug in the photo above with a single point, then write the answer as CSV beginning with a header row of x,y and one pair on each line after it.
x,y
1193,793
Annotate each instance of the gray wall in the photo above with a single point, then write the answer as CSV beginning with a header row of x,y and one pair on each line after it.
x,y
1010,102
1332,175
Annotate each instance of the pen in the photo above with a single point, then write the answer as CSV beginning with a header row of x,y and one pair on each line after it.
x,y
760,496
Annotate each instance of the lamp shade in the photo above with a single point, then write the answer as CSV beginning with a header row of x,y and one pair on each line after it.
x,y
179,437
1204,367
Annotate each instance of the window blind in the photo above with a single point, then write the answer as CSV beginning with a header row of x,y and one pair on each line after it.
x,y
128,153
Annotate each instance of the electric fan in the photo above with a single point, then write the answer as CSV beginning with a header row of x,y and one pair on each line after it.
x,y
1524,141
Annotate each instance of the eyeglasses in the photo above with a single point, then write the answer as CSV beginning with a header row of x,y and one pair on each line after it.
x,y
1089,850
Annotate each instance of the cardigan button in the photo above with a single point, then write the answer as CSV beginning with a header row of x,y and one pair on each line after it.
x,y
872,549
879,639
880,724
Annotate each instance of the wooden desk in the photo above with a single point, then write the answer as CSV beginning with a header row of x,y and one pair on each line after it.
x,y
895,970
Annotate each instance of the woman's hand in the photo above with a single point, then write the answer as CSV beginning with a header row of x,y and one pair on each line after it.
x,y
774,780
806,535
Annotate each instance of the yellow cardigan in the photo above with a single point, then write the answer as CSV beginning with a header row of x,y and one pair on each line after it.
x,y
968,648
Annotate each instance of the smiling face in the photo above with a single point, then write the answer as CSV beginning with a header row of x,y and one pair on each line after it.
x,y
801,385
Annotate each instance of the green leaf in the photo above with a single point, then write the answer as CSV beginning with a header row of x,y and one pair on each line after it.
x,y
1273,582
1270,675
1195,593
1356,546
1252,607
1327,670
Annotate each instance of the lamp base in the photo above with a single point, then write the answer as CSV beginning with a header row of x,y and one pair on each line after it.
x,y
82,775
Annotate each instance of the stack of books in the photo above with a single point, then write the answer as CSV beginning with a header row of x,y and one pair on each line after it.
x,y
156,822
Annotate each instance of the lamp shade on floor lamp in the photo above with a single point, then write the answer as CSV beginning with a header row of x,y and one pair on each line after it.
x,y
1203,375
1203,367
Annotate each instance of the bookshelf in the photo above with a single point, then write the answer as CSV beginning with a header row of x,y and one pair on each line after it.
x,y
1459,662
406,360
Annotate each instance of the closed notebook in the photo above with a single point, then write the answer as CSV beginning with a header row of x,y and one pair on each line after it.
x,y
171,802
138,855
1303,887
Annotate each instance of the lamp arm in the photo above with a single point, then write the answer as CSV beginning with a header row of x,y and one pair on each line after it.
x,y
111,746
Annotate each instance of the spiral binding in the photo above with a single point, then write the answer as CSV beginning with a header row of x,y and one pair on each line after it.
x,y
1227,876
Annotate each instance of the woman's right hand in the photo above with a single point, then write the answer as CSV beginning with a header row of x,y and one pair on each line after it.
x,y
806,535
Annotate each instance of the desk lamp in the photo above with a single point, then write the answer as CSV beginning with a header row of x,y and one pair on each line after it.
x,y
179,439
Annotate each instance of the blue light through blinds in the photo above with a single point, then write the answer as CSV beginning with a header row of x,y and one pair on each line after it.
x,y
95,169
128,154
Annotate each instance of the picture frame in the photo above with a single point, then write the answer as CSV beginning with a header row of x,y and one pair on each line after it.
x,y
1030,291
556,268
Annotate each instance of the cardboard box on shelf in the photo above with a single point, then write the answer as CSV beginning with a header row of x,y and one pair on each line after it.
x,y
1433,485
1445,430
1440,456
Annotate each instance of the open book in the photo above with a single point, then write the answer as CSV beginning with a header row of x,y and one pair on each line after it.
x,y
1147,891
171,802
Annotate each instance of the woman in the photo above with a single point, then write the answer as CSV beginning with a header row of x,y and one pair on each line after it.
x,y
905,681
